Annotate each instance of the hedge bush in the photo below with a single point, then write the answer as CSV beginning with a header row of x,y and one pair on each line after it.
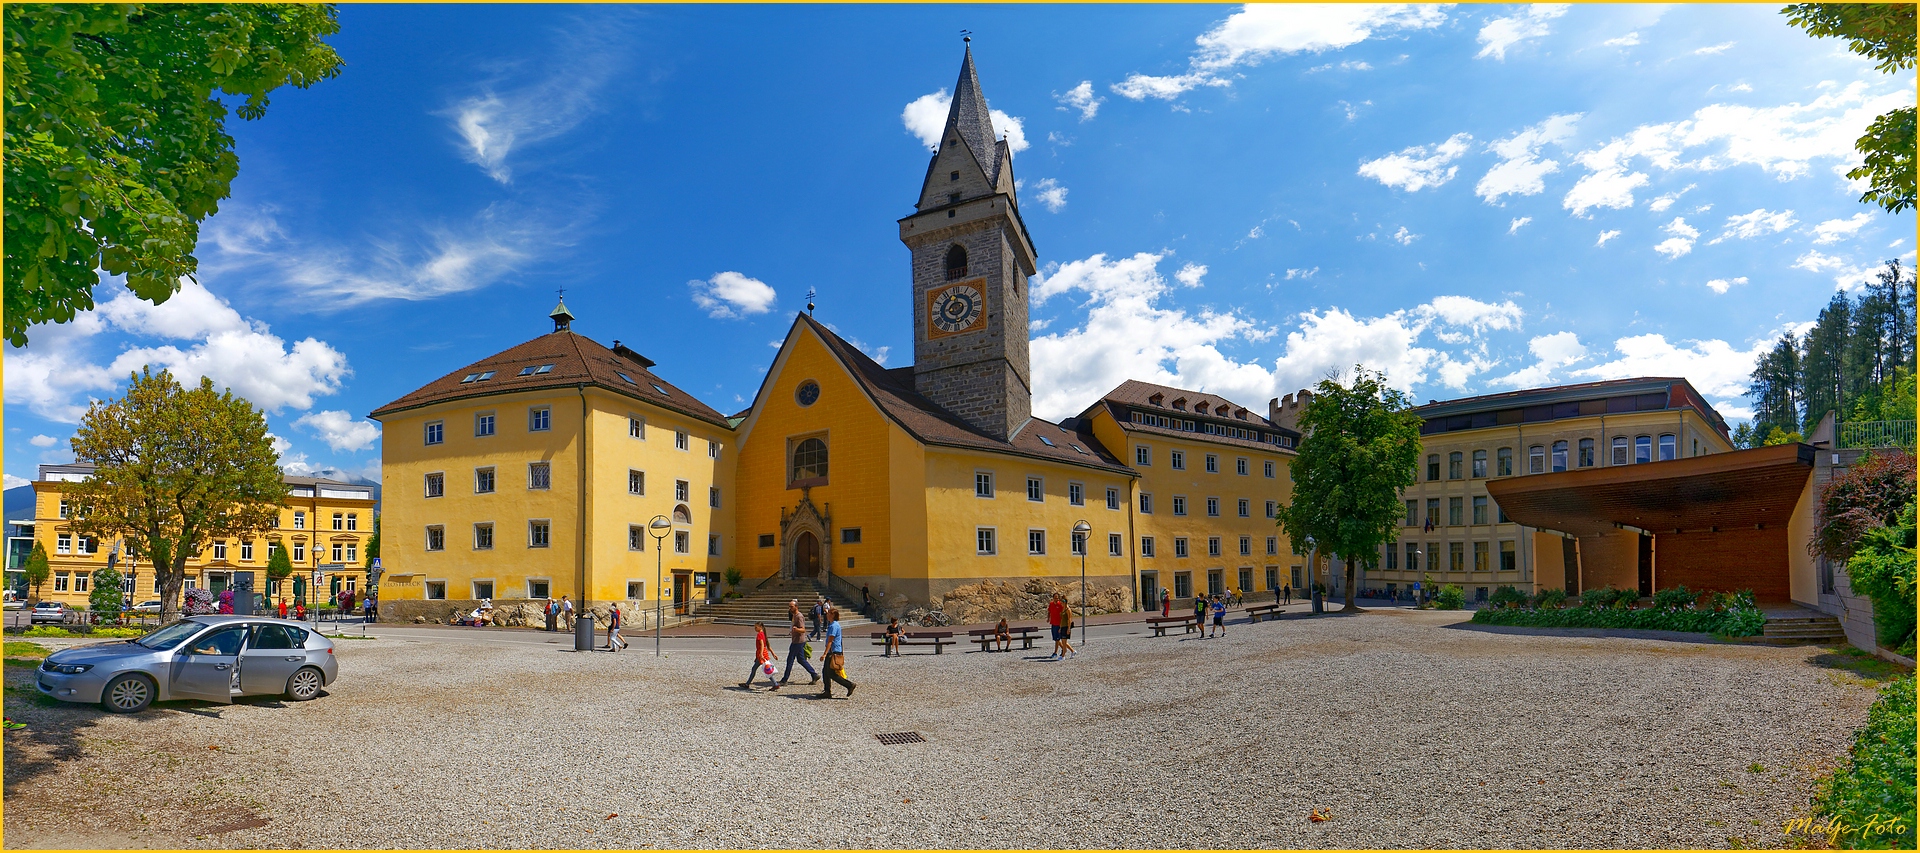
x,y
1878,779
1741,620
1507,596
1550,598
1451,597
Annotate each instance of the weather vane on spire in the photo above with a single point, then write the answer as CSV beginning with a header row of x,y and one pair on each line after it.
x,y
966,36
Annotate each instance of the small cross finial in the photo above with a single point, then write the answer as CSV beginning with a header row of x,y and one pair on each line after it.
x,y
809,301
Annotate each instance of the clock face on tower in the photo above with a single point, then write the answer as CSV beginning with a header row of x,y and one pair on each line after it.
x,y
954,309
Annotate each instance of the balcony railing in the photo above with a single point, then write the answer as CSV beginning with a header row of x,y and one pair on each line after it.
x,y
1868,434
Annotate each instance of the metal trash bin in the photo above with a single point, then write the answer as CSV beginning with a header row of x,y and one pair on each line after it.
x,y
1319,602
583,631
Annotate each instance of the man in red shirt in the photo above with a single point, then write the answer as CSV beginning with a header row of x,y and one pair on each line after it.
x,y
1055,609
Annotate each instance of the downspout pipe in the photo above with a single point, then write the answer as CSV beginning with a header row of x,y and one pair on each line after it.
x,y
581,528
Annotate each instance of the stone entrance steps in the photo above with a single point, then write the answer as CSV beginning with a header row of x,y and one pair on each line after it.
x,y
1803,629
769,604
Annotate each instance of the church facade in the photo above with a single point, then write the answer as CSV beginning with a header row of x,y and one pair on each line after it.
x,y
915,482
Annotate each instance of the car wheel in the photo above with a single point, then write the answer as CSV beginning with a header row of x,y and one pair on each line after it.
x,y
127,694
305,684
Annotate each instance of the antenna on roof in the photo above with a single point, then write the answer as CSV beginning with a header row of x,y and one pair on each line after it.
x,y
809,301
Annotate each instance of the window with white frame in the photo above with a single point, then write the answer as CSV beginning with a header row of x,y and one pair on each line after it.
x,y
637,590
1240,466
539,533
299,552
680,489
682,542
436,432
482,485
983,484
299,520
219,550
1273,545
1142,455
483,424
1177,459
65,508
1076,494
1114,544
246,549
540,419
436,538
1036,489
1669,447
339,521
713,450
1179,504
482,589
339,552
1180,546
1113,499
81,581
88,545
713,545
1213,546
353,521
353,552
1246,546
1273,510
713,496
1037,542
63,544
1537,459
436,484
1146,503
680,440
637,427
636,537
1213,464
1146,546
1246,508
483,536
436,590
539,475
1213,507
1078,544
1266,469
636,482
60,581
983,543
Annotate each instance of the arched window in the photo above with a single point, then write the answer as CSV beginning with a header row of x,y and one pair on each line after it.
x,y
1669,448
1453,465
1559,456
1433,466
1619,450
956,263
1586,453
681,515
1537,459
1642,449
1503,462
809,460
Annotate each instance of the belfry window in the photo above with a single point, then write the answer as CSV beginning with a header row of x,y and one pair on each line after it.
x,y
956,263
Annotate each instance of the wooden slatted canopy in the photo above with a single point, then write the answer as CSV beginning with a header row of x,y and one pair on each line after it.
x,y
1743,489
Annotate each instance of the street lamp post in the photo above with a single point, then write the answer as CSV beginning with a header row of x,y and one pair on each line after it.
x,y
1082,529
657,528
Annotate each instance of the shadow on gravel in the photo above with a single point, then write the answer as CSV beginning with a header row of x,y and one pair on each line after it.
x,y
57,732
1622,633
1866,667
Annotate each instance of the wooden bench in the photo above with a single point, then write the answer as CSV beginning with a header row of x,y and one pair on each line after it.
x,y
1268,611
1022,634
939,640
1160,624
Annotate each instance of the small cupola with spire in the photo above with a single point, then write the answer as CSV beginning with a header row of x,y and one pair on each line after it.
x,y
562,318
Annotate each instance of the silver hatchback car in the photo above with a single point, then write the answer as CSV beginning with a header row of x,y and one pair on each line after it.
x,y
211,658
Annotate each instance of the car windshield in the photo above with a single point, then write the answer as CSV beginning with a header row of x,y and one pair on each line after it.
x,y
171,635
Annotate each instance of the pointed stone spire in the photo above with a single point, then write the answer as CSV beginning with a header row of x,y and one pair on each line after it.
x,y
970,119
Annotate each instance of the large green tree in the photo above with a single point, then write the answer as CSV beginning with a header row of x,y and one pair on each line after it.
x,y
176,469
116,142
1883,32
1774,387
1360,444
37,570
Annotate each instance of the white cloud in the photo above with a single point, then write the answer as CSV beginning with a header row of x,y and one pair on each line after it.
x,y
1520,171
1713,50
1502,33
1257,32
1130,333
1739,87
1518,224
16,482
1610,188
926,118
1847,275
1682,240
1305,273
1405,237
1628,40
42,441
1660,205
1080,98
1605,236
1835,230
730,294
340,430
1413,169
1721,285
1714,367
493,122
1551,353
1190,274
1352,110
1758,223
1051,194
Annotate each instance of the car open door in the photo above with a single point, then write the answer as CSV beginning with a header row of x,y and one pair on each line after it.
x,y
208,667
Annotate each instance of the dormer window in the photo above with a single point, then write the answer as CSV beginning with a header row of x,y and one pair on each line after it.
x,y
1240,414
1180,404
956,261
1157,399
1200,407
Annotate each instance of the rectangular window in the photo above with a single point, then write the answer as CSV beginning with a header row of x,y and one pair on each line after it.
x,y
1433,512
1586,453
636,482
436,538
1213,464
1273,577
766,540
1393,558
537,590
1182,584
1246,580
483,536
983,543
1146,503
1642,449
436,590
299,520
713,496
89,545
637,590
1266,470
1246,508
339,553
1413,557
1456,556
679,490
1619,450
539,533
713,545
1216,584
1076,494
1213,507
1077,544
1114,544
60,580
1508,559
1113,499
1213,546
1177,459
436,484
339,521
1180,546
1142,455
1146,546
353,552
353,521
1240,466
482,589
1179,504
246,550
219,550
1479,556
539,475
1453,465
1479,464
679,440
299,552
1413,514
1273,546
483,424
1503,462
482,485
636,537
81,580
64,508
1480,509
849,535
540,419
63,544
1036,490
713,450
1456,511
983,484
1668,447
1246,546
1037,542
636,428
1433,467
436,432
1273,509
682,542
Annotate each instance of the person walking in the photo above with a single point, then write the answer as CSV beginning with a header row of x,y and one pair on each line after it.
x,y
834,657
615,642
1004,635
283,608
797,644
1066,628
1286,594
762,659
1219,616
566,613
1166,603
1054,606
865,600
895,634
819,615
1200,615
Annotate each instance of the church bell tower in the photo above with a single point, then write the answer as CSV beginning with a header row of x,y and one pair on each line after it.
x,y
971,261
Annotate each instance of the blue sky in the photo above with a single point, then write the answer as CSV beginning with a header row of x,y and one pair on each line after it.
x,y
1237,200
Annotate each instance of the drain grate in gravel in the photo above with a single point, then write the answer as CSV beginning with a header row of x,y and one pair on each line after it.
x,y
897,738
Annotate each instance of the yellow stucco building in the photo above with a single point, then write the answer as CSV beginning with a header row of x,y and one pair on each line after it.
x,y
325,526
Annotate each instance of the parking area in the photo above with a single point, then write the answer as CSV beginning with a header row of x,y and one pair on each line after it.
x,y
1414,728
